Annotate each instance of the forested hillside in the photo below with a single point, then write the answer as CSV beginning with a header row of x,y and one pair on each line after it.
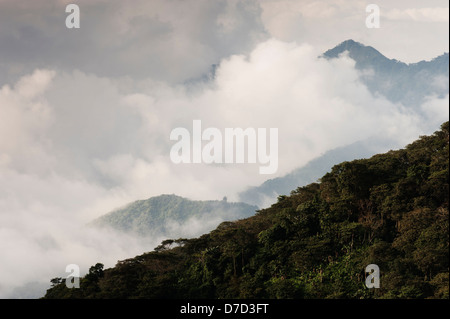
x,y
390,210
158,215
410,84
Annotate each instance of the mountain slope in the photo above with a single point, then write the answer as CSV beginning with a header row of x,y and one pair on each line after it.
x,y
268,191
390,210
409,84
161,214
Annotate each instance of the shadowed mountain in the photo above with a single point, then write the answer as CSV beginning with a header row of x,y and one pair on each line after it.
x,y
267,192
390,210
409,84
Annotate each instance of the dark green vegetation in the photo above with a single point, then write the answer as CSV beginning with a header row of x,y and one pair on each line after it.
x,y
154,216
390,210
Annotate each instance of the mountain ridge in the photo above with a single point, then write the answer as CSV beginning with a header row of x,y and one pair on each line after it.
x,y
390,210
409,84
270,189
355,47
156,215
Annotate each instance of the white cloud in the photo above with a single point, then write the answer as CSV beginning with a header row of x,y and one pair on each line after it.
x,y
24,115
75,145
435,109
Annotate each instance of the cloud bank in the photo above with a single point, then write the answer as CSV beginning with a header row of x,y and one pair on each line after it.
x,y
85,116
176,41
74,146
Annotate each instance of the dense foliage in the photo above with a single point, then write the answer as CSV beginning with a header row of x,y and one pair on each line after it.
x,y
390,210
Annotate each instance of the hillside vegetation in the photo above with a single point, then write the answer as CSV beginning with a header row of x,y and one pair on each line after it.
x,y
161,214
390,210
410,84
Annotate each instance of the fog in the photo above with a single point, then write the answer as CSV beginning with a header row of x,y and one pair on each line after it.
x,y
82,134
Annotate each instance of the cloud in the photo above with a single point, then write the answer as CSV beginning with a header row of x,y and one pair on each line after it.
x,y
42,230
24,115
176,41
85,126
437,14
155,38
435,109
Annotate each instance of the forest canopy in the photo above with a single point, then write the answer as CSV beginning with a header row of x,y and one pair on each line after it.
x,y
390,210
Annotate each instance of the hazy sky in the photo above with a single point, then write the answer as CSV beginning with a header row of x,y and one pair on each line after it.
x,y
86,114
177,40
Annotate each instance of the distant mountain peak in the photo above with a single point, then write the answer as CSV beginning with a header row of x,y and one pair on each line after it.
x,y
362,54
408,83
157,215
350,42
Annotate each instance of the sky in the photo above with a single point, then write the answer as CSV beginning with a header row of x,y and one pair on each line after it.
x,y
86,114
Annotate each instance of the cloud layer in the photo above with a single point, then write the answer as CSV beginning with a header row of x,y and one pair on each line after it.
x,y
74,146
85,116
176,41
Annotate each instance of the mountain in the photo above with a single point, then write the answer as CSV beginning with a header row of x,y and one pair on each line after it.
x,y
409,84
165,215
268,191
390,210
